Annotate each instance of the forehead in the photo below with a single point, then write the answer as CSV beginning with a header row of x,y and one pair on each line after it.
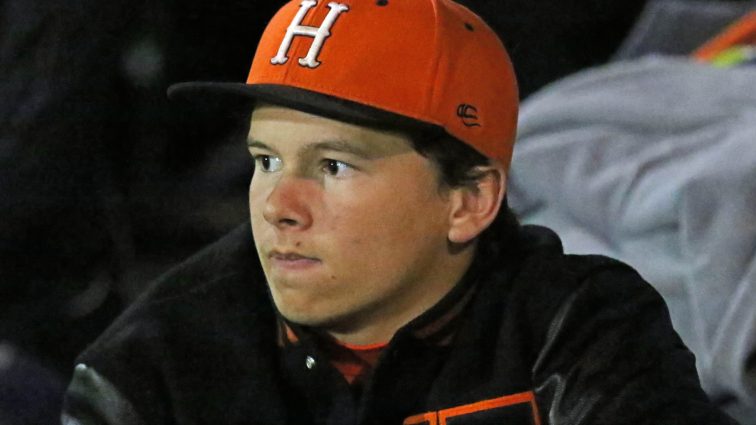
x,y
285,128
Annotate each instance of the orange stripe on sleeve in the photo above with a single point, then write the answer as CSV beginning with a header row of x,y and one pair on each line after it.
x,y
441,417
495,403
743,31
423,419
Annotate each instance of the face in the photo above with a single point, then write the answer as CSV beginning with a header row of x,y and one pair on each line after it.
x,y
350,224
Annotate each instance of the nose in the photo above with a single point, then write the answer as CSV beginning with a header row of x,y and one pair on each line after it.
x,y
287,207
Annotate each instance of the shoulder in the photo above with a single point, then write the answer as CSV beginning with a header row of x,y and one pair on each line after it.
x,y
552,293
600,342
577,300
189,325
231,258
213,284
550,277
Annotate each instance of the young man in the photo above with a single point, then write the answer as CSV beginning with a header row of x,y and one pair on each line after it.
x,y
384,280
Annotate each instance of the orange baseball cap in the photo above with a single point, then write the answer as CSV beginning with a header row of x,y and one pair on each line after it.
x,y
423,62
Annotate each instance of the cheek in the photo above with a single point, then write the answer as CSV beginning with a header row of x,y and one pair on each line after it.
x,y
384,220
253,195
257,197
257,221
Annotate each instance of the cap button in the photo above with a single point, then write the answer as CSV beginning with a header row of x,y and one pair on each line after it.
x,y
310,362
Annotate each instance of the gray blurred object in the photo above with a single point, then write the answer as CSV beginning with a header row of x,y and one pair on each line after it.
x,y
677,27
653,161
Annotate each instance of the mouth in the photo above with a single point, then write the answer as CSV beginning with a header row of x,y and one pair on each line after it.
x,y
289,260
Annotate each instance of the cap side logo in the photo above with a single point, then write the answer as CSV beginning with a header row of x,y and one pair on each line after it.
x,y
469,115
318,33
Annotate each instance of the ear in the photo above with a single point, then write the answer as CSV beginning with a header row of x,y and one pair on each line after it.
x,y
474,208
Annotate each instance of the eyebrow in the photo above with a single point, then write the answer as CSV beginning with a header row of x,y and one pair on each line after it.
x,y
327,145
258,144
340,146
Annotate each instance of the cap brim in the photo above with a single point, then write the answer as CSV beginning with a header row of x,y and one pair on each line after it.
x,y
242,97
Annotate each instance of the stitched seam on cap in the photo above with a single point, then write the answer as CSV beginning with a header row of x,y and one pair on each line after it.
x,y
430,100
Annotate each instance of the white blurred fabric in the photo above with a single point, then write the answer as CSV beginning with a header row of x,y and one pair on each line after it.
x,y
653,161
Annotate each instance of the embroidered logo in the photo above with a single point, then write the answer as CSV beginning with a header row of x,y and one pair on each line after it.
x,y
468,114
318,33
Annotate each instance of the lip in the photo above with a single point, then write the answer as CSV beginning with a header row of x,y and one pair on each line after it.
x,y
289,260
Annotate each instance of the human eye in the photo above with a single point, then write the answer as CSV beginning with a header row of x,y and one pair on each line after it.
x,y
336,168
268,163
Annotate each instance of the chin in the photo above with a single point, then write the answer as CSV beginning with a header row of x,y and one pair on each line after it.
x,y
299,311
305,318
305,315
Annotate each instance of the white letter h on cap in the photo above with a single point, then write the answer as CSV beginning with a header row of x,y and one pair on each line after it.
x,y
319,34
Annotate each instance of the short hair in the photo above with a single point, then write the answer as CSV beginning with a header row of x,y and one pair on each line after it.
x,y
454,160
456,163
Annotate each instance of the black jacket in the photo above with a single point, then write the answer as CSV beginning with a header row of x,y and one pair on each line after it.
x,y
547,338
